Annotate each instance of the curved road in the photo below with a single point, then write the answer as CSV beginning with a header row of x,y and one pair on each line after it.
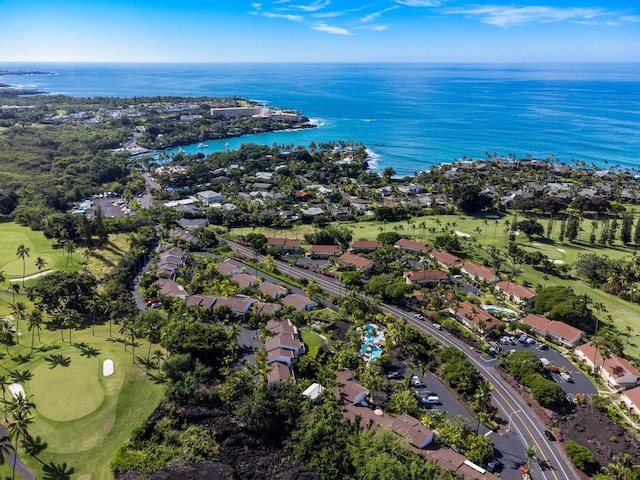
x,y
552,464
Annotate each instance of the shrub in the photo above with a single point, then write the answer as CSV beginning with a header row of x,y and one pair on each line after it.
x,y
581,456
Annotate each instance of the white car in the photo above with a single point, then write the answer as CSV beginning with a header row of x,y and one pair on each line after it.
x,y
566,377
418,316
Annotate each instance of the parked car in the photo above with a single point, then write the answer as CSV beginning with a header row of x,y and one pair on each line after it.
x,y
549,435
493,465
418,316
430,400
416,382
151,301
437,326
394,375
566,377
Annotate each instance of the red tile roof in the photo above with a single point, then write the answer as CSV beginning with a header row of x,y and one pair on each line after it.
x,y
476,314
475,270
447,258
325,249
516,290
297,301
426,276
412,245
355,260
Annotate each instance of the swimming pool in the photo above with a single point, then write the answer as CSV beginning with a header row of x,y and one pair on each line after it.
x,y
493,309
369,350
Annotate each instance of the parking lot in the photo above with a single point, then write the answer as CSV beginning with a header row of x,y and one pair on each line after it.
x,y
579,383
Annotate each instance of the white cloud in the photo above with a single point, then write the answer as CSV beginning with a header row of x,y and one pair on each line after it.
x,y
293,18
375,28
257,6
335,14
419,3
375,15
323,27
312,7
505,16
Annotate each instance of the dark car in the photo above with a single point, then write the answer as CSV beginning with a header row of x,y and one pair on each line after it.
x,y
549,435
395,375
493,465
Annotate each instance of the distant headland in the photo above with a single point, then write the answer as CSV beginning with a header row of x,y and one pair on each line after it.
x,y
11,91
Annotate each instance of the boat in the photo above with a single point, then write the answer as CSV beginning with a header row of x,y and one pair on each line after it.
x,y
202,145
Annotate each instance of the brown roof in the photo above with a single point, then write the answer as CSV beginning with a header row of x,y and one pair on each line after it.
x,y
244,280
225,268
268,308
297,301
282,326
412,245
479,271
278,372
283,242
283,340
536,322
412,429
616,366
446,258
237,304
477,314
633,395
348,388
517,290
367,244
564,331
356,260
328,249
170,288
280,352
272,289
426,275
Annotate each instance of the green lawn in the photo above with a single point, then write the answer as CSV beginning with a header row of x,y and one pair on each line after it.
x,y
312,341
83,416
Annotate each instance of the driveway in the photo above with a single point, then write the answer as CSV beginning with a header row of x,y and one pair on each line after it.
x,y
248,342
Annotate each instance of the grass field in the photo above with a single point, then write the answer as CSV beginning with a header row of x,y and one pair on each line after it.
x,y
312,340
83,416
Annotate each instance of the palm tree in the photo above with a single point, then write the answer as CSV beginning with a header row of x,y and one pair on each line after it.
x,y
23,252
6,332
34,323
4,382
69,248
57,471
6,448
19,424
15,287
530,452
19,310
41,264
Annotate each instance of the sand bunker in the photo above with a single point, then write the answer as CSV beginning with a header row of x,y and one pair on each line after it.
x,y
16,390
558,262
560,250
107,367
462,234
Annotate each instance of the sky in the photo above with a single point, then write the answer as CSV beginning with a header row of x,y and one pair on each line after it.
x,y
320,31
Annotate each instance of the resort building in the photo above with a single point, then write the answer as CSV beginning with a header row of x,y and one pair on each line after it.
x,y
474,317
244,280
617,372
446,259
272,290
209,196
425,277
287,245
631,399
364,246
479,272
412,246
300,302
205,301
227,268
361,264
323,251
517,293
349,390
239,305
279,372
543,327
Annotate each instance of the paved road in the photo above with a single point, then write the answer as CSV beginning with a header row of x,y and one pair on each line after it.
x,y
525,427
21,468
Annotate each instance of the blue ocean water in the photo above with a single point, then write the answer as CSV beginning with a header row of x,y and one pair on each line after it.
x,y
411,116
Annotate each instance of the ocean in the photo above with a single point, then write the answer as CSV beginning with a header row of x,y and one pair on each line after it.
x,y
411,116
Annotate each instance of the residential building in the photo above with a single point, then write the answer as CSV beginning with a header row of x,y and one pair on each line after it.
x,y
314,391
543,327
349,390
410,427
479,272
412,246
287,245
364,246
283,355
272,290
446,259
279,372
323,251
209,196
631,399
227,268
205,301
617,372
244,280
238,304
282,326
425,277
299,302
361,264
286,341
169,288
474,317
517,293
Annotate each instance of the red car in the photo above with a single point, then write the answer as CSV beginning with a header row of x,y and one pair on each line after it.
x,y
152,301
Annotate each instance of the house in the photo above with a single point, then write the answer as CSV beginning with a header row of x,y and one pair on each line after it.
x,y
181,234
323,251
209,196
279,372
205,301
446,259
287,245
364,246
361,264
267,308
283,355
238,304
286,341
244,280
631,399
169,288
272,290
227,268
410,427
560,331
407,245
282,326
617,372
299,302
349,390
517,293
474,317
479,272
425,277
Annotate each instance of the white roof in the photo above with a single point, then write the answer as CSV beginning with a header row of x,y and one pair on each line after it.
x,y
313,391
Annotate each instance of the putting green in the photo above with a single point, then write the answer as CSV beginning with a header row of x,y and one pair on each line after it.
x,y
68,393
